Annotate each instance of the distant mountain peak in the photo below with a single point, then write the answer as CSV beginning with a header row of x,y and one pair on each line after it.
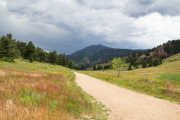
x,y
98,53
90,49
97,45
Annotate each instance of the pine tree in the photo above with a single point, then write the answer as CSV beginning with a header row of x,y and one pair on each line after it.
x,y
30,51
61,60
21,46
11,49
52,57
40,55
8,49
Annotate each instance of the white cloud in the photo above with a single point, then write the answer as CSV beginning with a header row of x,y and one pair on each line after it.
x,y
155,29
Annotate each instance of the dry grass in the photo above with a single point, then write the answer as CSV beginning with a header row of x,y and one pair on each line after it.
x,y
13,107
38,91
12,111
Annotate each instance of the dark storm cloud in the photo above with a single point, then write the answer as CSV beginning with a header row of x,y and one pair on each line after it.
x,y
69,44
68,25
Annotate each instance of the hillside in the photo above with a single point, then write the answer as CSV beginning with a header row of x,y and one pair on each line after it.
x,y
165,50
95,54
11,49
173,58
162,81
39,91
155,56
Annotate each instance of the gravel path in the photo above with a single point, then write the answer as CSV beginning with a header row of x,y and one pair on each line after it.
x,y
126,104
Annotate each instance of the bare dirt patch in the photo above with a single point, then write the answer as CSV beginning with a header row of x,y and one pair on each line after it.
x,y
2,73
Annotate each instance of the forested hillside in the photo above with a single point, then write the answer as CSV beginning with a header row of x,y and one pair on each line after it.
x,y
97,54
136,58
11,49
154,56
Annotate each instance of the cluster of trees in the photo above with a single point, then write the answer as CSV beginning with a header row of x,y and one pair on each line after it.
x,y
136,61
154,56
103,66
11,49
172,47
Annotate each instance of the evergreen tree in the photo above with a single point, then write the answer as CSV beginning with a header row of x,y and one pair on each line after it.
x,y
8,49
21,46
30,51
40,55
61,60
52,57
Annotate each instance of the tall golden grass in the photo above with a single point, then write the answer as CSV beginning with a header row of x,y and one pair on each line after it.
x,y
39,91
11,108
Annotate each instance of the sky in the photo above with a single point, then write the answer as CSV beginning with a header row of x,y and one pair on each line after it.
x,y
69,25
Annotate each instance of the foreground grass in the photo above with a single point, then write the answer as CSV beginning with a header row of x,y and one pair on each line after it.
x,y
162,81
38,91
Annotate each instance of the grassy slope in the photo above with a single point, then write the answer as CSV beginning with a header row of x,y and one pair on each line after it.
x,y
162,81
173,58
38,91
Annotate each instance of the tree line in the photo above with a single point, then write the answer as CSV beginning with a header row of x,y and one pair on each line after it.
x,y
11,49
138,60
155,56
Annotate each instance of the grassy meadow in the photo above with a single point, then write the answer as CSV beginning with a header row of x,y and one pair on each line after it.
x,y
39,91
162,81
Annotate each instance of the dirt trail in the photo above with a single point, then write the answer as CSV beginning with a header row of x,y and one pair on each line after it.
x,y
126,104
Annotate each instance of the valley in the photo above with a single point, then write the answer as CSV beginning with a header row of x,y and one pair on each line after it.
x,y
95,83
89,60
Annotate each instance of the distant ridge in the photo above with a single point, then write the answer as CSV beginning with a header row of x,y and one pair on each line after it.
x,y
96,54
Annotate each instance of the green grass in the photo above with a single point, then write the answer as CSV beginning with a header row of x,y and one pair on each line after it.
x,y
172,58
173,78
25,66
162,81
30,97
47,92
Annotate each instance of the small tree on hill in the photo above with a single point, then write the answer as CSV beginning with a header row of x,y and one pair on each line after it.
x,y
118,64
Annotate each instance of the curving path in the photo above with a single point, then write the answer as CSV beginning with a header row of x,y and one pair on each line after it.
x,y
126,104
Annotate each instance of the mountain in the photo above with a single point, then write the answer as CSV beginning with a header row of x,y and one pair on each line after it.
x,y
95,54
